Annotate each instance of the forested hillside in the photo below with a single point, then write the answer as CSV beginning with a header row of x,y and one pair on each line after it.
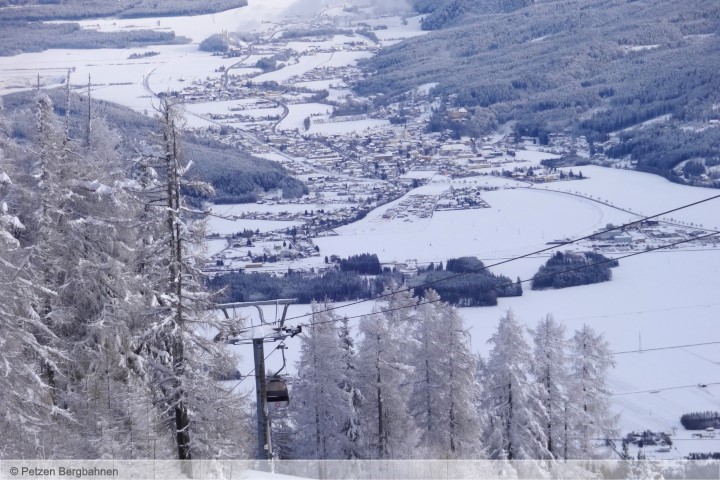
x,y
40,10
592,66
22,29
24,37
236,176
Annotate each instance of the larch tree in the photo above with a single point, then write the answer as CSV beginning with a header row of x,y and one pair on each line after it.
x,y
442,401
24,396
321,406
516,417
353,445
589,414
182,363
384,382
551,376
72,207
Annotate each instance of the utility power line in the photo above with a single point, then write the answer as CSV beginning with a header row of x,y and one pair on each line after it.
x,y
536,252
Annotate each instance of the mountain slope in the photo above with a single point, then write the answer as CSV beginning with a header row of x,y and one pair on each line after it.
x,y
557,63
236,175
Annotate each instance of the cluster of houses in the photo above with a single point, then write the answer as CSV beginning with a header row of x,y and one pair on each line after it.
x,y
462,198
646,234
420,206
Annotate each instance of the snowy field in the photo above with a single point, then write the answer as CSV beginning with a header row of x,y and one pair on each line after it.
x,y
646,194
199,27
519,221
298,112
225,226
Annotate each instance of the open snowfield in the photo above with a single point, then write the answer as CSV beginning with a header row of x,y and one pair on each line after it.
x,y
519,221
199,27
358,126
298,112
397,28
223,108
224,226
306,63
646,194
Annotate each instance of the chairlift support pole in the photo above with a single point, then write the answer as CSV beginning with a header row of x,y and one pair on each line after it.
x,y
264,442
263,417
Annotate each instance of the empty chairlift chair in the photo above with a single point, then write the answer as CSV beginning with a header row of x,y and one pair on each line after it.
x,y
276,393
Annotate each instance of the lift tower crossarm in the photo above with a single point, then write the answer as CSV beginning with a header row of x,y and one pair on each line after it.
x,y
286,302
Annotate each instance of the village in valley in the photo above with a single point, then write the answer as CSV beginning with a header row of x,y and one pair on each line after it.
x,y
284,96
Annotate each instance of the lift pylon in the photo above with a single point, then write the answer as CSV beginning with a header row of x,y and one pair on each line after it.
x,y
257,335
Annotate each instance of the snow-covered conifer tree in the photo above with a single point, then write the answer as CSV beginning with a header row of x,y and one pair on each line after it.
x,y
551,376
353,447
516,417
205,420
321,406
589,414
442,401
384,382
24,397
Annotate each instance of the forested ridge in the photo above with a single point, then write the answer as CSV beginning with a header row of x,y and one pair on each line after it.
x,y
22,27
24,37
590,67
236,176
43,10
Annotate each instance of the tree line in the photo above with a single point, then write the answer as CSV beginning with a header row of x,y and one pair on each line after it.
x,y
360,277
39,10
23,37
408,386
700,420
